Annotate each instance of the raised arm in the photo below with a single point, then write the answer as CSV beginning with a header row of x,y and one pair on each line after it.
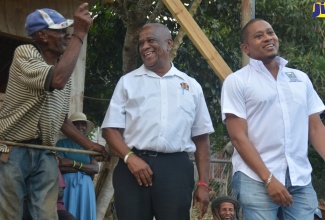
x,y
64,68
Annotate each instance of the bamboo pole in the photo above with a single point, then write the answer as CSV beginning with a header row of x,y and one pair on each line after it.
x,y
94,153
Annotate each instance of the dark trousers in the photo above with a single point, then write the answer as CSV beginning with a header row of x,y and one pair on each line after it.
x,y
170,196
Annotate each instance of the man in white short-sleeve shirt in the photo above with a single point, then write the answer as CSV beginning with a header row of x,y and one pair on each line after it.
x,y
269,111
157,115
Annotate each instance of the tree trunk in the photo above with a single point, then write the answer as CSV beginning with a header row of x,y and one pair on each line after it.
x,y
104,187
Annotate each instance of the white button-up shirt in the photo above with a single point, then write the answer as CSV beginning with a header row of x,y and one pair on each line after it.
x,y
277,114
159,113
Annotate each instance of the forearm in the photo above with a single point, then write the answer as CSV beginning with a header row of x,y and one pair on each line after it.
x,y
115,141
64,68
202,156
72,166
252,158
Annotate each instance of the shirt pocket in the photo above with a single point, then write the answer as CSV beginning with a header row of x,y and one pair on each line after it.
x,y
299,92
185,102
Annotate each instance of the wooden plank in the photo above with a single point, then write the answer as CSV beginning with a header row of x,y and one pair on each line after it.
x,y
199,39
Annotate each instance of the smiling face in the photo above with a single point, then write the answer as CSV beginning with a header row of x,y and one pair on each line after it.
x,y
260,41
155,44
227,211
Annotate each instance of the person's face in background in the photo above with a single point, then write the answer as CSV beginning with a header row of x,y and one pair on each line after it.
x,y
227,211
81,126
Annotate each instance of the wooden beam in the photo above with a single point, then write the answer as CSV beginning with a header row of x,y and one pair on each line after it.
x,y
199,39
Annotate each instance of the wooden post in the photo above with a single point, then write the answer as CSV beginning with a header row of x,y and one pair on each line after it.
x,y
199,39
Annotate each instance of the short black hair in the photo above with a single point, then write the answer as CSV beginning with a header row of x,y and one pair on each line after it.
x,y
244,32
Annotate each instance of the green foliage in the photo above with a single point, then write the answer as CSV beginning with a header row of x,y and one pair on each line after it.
x,y
104,61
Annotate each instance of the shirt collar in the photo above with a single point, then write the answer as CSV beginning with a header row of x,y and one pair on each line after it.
x,y
258,65
172,72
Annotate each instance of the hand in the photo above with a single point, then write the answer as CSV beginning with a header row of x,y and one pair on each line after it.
x,y
82,20
279,193
201,196
101,149
140,169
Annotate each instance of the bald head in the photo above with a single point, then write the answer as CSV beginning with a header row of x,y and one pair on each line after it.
x,y
159,28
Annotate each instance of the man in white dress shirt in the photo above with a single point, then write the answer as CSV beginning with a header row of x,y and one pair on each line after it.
x,y
271,112
157,115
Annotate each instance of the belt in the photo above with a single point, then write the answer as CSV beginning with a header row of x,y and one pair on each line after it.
x,y
146,152
152,153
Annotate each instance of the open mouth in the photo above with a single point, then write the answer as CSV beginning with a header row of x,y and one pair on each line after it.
x,y
148,54
269,46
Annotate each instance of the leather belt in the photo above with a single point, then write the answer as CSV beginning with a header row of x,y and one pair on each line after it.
x,y
146,152
152,153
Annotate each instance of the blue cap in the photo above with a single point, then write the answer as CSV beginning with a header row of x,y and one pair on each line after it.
x,y
318,213
45,18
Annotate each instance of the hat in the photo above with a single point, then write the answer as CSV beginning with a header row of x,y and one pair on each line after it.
x,y
79,116
45,18
318,213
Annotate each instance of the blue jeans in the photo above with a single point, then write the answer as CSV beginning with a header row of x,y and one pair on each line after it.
x,y
257,204
33,173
